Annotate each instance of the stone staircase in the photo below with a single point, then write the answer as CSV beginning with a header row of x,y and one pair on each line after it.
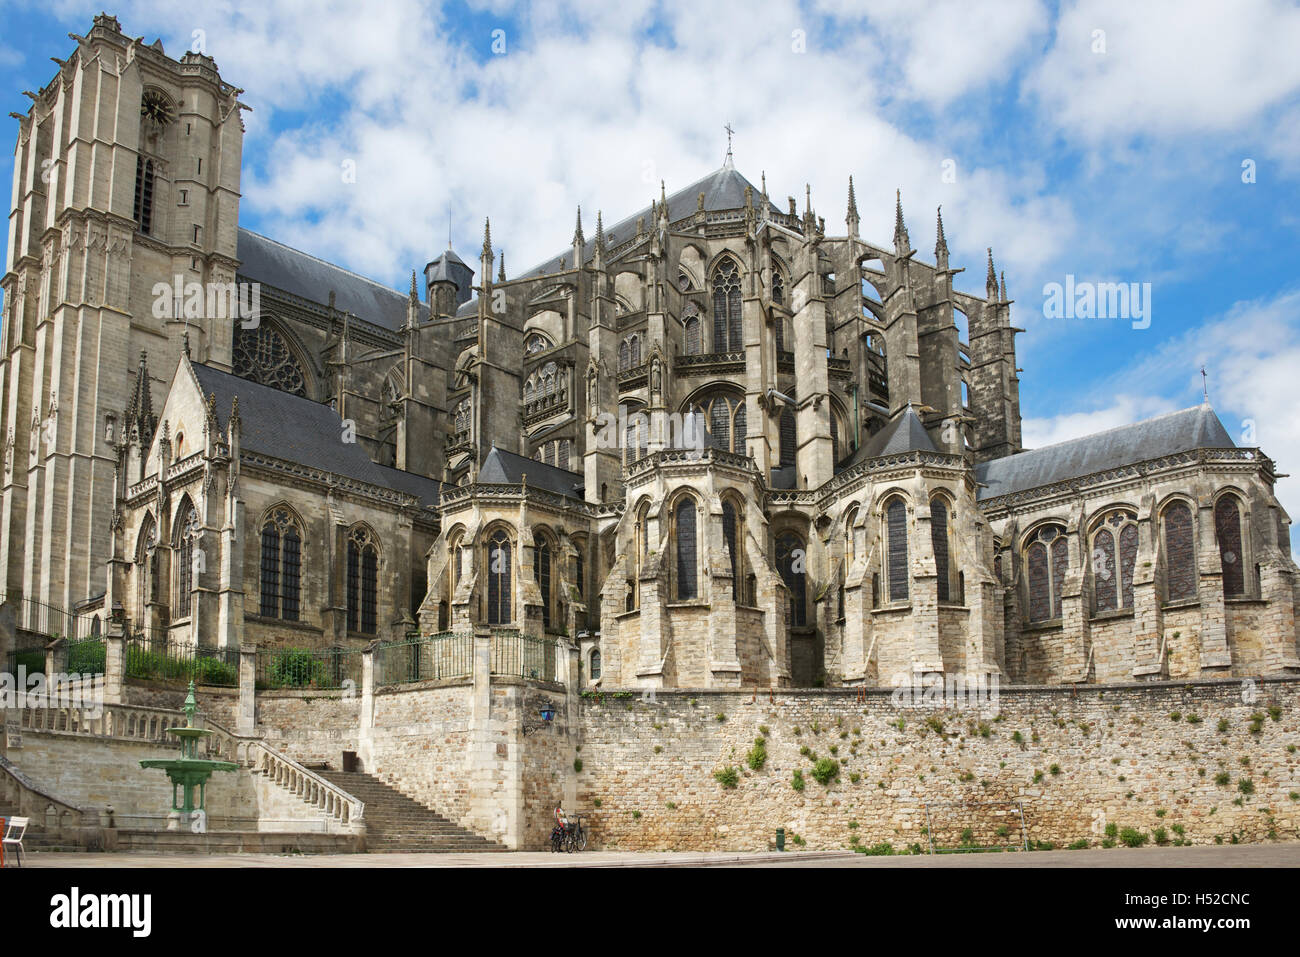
x,y
395,823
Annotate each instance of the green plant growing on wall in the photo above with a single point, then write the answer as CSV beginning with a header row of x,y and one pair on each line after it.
x,y
797,781
1275,712
825,771
1133,837
757,756
728,777
577,765
1224,725
1246,786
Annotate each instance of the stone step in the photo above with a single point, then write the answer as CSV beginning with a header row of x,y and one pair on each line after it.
x,y
396,822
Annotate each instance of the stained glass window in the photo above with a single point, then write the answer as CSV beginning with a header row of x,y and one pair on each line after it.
x,y
262,355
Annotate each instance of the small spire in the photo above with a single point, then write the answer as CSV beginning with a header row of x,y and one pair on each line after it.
x,y
940,243
414,295
807,199
851,218
901,240
991,282
1205,387
600,233
234,411
185,343
501,272
487,239
1004,296
663,199
578,238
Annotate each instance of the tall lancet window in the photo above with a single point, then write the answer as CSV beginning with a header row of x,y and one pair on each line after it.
x,y
727,334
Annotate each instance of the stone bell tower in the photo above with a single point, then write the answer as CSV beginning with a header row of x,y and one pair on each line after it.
x,y
126,176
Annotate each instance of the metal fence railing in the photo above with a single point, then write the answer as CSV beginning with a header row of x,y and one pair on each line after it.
x,y
444,655
330,669
159,660
514,653
54,622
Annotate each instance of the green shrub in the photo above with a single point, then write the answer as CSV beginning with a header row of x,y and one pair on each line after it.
x,y
296,668
728,777
1246,786
1080,845
1224,726
214,671
797,781
1223,779
1132,837
883,849
825,771
1161,835
577,765
757,756
1112,829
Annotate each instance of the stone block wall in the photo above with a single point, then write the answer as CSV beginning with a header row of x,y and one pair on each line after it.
x,y
1077,761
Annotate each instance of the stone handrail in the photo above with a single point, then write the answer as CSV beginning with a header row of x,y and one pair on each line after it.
x,y
34,802
140,723
255,754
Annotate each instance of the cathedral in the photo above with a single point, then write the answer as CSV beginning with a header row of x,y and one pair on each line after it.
x,y
711,444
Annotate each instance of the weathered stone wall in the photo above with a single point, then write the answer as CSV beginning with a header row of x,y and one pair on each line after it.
x,y
1137,756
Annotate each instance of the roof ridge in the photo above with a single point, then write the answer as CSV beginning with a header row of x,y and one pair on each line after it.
x,y
324,262
1115,428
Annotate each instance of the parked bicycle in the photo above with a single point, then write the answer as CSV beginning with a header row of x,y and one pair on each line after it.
x,y
568,835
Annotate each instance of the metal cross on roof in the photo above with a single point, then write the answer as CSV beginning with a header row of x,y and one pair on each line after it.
x,y
730,131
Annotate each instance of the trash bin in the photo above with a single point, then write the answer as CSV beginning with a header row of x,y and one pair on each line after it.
x,y
780,839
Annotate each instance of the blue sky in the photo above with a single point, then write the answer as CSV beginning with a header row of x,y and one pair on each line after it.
x,y
1104,140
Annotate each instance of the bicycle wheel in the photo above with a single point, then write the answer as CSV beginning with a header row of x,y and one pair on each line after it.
x,y
570,842
582,838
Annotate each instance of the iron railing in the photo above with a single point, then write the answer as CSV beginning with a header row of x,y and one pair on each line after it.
x,y
159,660
417,658
55,622
85,657
514,653
331,669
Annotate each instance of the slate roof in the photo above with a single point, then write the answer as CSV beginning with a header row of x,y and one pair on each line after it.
x,y
904,433
723,189
293,271
1194,428
507,468
299,430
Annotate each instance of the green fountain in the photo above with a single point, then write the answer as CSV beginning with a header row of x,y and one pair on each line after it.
x,y
189,773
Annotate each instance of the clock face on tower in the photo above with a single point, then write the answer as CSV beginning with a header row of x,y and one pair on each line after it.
x,y
155,106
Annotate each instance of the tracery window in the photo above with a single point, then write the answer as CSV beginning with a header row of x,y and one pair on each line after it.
x,y
727,331
723,420
183,573
778,287
281,566
536,343
636,438
144,182
462,415
262,355
1180,552
1114,555
733,532
898,574
363,580
499,578
1047,558
1227,531
146,558
595,664
629,353
789,441
692,333
791,563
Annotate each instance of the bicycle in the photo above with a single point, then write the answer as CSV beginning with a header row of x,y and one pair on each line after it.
x,y
575,838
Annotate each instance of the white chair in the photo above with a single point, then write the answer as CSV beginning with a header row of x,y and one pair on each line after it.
x,y
13,837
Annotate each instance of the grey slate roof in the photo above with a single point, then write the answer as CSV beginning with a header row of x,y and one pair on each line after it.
x,y
723,189
442,267
507,468
275,264
1195,428
904,433
299,430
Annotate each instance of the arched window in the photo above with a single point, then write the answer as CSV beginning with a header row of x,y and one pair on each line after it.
x,y
723,417
791,562
789,445
1227,530
542,574
462,417
1047,557
850,534
183,546
640,549
454,559
733,532
692,332
727,335
684,538
281,565
778,288
363,581
939,540
146,563
898,573
636,440
594,668
1114,554
1180,553
498,573
536,343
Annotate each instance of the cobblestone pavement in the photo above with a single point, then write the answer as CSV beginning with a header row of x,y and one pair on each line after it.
x,y
1242,855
